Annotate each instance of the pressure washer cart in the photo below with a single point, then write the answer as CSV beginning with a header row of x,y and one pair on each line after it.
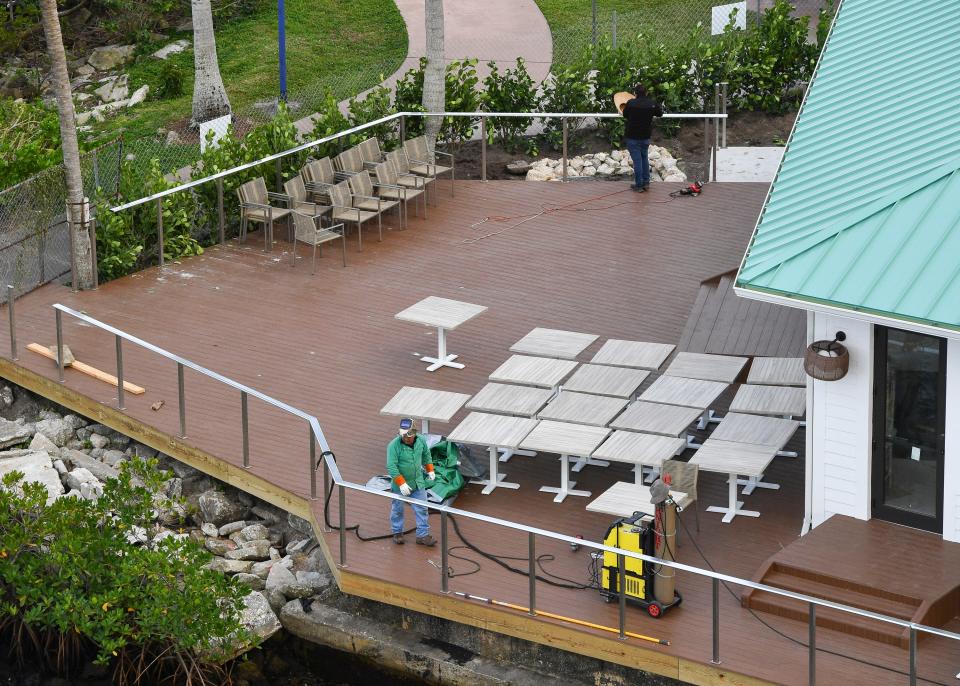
x,y
637,534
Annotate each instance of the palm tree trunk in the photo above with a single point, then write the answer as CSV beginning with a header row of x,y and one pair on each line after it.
x,y
434,86
76,210
209,96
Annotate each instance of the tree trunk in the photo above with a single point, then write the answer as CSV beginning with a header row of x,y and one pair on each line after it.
x,y
76,210
434,86
209,96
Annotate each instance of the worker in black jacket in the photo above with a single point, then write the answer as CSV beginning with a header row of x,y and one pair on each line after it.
x,y
639,114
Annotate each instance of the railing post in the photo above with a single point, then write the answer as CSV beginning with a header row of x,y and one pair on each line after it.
x,y
73,249
119,372
532,560
706,147
278,175
181,394
622,588
13,322
220,217
723,110
403,129
244,429
326,493
313,463
92,233
483,148
444,553
812,645
913,657
716,621
342,493
566,128
716,110
59,316
160,230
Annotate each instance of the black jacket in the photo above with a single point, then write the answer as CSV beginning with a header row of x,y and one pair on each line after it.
x,y
639,114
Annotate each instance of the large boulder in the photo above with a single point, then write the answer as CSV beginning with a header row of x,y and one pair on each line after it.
x,y
36,467
283,580
77,459
171,49
259,617
110,56
216,507
57,430
12,433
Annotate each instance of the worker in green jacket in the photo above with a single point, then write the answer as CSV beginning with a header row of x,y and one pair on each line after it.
x,y
411,469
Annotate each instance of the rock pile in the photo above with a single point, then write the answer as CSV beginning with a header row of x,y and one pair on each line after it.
x,y
663,166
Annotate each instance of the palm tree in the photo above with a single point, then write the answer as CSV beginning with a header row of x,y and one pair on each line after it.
x,y
76,211
209,96
433,75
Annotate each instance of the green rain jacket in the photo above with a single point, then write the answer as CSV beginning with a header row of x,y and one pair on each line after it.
x,y
408,462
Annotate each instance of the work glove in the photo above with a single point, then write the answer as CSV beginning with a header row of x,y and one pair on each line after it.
x,y
405,489
431,475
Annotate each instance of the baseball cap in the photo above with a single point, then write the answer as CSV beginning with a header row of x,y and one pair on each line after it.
x,y
407,427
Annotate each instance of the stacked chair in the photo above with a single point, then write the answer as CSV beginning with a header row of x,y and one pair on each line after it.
x,y
255,207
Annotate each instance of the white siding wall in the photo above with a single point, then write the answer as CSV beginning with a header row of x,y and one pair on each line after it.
x,y
840,422
951,472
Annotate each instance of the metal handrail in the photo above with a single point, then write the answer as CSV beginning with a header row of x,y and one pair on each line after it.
x,y
330,469
383,120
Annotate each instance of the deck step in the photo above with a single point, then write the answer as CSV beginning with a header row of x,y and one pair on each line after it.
x,y
863,598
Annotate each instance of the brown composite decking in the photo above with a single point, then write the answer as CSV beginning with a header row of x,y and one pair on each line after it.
x,y
630,267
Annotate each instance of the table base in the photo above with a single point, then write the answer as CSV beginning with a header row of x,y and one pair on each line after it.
x,y
787,453
495,478
566,486
584,461
708,417
734,506
756,482
507,453
436,363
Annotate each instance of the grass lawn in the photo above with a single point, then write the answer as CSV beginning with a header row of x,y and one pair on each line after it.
x,y
666,20
344,45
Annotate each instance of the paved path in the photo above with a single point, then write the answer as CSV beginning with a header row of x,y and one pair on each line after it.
x,y
490,30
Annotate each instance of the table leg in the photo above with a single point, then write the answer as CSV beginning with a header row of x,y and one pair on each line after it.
x,y
691,443
507,453
442,359
653,475
584,461
733,507
708,417
495,479
425,425
756,482
566,486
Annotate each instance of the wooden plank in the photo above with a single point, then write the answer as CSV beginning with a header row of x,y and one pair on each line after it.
x,y
88,370
694,317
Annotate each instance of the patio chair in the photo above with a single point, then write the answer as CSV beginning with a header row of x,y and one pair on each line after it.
x,y
365,196
317,176
349,162
423,161
370,152
307,229
390,189
344,211
401,166
296,192
255,207
684,479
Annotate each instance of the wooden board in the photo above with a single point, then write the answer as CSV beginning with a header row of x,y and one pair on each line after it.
x,y
88,370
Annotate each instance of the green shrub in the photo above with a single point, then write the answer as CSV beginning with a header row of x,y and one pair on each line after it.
x,y
170,80
461,95
566,90
408,97
72,585
375,105
328,121
29,140
512,91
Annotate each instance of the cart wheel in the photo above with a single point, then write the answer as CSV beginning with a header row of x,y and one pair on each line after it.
x,y
607,599
655,609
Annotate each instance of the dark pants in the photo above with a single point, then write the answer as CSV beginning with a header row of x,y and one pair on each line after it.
x,y
641,163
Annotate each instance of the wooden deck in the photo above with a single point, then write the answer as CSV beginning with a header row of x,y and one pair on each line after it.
x,y
616,264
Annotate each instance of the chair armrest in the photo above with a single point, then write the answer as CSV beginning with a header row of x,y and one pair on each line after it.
x,y
441,152
345,207
428,164
316,185
282,197
365,197
257,205
418,181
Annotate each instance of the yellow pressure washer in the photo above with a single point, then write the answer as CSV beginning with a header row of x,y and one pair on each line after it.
x,y
636,534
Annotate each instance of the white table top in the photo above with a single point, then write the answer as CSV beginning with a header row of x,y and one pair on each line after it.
x,y
637,354
425,403
637,448
729,457
440,312
624,498
777,401
492,429
754,428
678,390
601,379
708,367
564,438
533,371
777,371
656,418
553,343
583,408
499,398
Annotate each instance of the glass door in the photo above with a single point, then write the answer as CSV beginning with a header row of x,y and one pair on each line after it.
x,y
909,408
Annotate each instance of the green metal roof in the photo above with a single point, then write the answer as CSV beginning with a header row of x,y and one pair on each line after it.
x,y
864,213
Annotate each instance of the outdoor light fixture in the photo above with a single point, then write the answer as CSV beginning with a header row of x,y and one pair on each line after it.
x,y
827,360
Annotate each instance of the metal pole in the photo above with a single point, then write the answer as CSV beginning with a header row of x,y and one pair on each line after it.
x,y
593,38
913,657
282,48
278,173
244,428
313,463
622,588
613,29
181,396
566,127
483,148
160,229
73,249
723,124
716,110
444,559
326,492
812,646
706,146
119,372
220,217
13,322
716,622
532,574
93,252
59,316
96,168
403,129
342,493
